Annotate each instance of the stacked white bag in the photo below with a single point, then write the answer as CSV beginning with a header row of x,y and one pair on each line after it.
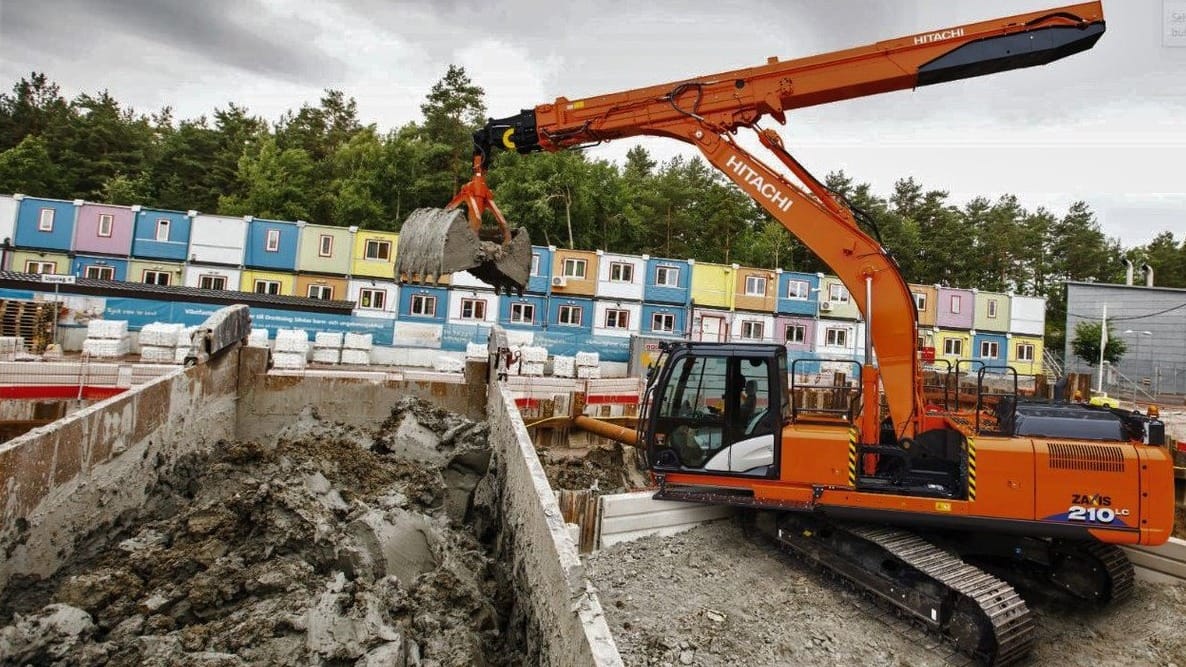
x,y
257,338
532,360
356,349
157,342
564,367
183,344
107,338
327,347
448,364
588,365
292,348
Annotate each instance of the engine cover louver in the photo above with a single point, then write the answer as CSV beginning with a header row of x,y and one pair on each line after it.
x,y
1074,456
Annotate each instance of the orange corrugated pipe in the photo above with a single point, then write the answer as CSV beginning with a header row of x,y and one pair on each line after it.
x,y
622,434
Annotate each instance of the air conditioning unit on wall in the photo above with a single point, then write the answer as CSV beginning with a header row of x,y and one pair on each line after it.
x,y
825,306
559,281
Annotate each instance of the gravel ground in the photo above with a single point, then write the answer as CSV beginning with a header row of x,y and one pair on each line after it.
x,y
712,597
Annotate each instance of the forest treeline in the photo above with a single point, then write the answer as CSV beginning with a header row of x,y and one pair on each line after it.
x,y
321,163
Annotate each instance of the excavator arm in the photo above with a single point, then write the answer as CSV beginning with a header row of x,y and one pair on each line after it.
x,y
708,111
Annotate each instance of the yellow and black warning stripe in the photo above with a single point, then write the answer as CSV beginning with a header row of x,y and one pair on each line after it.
x,y
852,457
971,468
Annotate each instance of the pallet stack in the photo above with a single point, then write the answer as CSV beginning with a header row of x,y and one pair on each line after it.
x,y
356,349
32,320
107,339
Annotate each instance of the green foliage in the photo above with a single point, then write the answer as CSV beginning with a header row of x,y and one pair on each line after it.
x,y
27,168
320,163
1086,344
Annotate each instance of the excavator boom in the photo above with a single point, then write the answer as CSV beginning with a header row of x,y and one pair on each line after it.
x,y
707,111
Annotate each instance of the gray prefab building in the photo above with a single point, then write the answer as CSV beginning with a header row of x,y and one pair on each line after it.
x,y
1152,323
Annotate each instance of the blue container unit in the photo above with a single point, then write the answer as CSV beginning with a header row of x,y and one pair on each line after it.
x,y
540,279
45,224
667,281
419,303
798,293
992,349
570,314
160,234
527,312
664,320
271,244
99,268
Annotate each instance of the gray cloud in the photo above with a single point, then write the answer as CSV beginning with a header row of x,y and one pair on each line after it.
x,y
242,35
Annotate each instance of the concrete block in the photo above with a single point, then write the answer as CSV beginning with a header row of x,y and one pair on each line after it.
x,y
476,351
630,516
588,358
179,354
531,369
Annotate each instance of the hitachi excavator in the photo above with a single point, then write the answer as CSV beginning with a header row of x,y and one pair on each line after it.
x,y
924,506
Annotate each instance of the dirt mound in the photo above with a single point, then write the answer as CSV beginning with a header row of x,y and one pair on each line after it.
x,y
713,597
605,468
331,545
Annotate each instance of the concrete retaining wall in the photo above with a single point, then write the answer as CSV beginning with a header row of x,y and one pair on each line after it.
x,y
563,615
1165,564
269,401
62,481
623,517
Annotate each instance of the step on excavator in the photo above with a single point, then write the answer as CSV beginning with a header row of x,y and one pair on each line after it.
x,y
928,506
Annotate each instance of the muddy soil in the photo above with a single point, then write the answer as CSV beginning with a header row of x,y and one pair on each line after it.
x,y
712,596
330,546
608,467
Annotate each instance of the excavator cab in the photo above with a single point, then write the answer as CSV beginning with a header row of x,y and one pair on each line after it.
x,y
718,408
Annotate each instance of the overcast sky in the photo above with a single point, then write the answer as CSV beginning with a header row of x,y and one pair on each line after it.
x,y
1107,126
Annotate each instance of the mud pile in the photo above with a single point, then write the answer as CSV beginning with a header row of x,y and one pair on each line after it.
x,y
329,546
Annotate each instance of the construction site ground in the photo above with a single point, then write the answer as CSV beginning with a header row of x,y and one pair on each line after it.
x,y
329,545
715,596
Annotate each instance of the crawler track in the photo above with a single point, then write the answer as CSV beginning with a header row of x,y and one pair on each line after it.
x,y
975,613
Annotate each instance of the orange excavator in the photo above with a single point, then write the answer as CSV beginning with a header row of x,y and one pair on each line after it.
x,y
926,507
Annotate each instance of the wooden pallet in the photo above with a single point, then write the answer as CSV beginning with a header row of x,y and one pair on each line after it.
x,y
32,320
